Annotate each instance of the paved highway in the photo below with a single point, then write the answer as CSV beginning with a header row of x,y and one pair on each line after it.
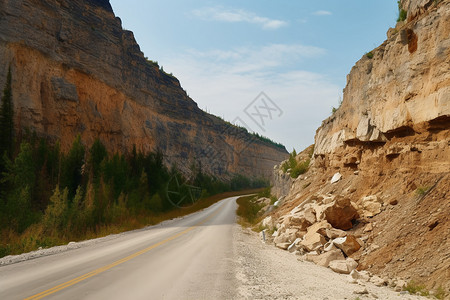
x,y
190,258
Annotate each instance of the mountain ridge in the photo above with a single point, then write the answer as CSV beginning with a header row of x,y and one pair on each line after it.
x,y
76,70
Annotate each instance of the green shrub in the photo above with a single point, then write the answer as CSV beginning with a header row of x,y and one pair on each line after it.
x,y
415,288
248,209
422,190
440,293
402,14
369,55
300,168
295,168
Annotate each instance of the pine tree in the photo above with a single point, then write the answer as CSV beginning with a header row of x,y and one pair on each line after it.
x,y
6,120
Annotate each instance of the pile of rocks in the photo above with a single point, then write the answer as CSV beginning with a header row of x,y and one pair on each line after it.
x,y
319,230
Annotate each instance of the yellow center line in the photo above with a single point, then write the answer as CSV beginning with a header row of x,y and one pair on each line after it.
x,y
116,263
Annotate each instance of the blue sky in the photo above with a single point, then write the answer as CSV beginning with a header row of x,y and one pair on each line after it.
x,y
225,53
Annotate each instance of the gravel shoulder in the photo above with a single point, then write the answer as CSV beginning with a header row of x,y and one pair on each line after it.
x,y
265,272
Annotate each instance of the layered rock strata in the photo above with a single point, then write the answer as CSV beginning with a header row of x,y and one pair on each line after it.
x,y
76,70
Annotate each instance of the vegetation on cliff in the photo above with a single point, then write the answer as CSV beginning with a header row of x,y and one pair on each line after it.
x,y
6,120
294,166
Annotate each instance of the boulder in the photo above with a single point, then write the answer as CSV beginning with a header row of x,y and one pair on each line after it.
x,y
321,226
333,233
324,259
340,214
310,215
371,206
339,266
291,234
378,281
286,220
351,264
362,276
281,238
312,241
319,209
283,246
348,244
301,222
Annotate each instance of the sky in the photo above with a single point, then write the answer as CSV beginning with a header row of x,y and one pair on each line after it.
x,y
275,67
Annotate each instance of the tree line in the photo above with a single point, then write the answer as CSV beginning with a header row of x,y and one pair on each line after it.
x,y
48,195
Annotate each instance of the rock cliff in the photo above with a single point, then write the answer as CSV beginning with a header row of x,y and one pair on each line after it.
x,y
76,70
380,173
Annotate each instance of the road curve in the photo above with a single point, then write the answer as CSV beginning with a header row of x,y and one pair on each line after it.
x,y
189,258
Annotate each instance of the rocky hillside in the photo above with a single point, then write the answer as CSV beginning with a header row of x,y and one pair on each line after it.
x,y
377,194
76,70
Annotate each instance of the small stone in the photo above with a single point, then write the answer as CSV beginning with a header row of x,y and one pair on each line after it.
x,y
361,291
393,202
362,275
351,264
336,177
400,284
377,280
283,246
368,227
339,266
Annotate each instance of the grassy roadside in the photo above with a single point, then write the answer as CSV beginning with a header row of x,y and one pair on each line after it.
x,y
250,211
35,237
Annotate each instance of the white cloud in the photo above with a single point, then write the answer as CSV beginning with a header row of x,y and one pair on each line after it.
x,y
236,16
322,13
225,82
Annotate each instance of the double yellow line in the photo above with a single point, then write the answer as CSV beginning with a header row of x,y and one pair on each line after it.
x,y
116,263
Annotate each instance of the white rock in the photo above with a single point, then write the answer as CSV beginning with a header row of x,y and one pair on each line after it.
x,y
329,246
336,177
293,247
267,222
377,280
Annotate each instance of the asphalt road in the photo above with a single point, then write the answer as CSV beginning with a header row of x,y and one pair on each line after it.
x,y
190,258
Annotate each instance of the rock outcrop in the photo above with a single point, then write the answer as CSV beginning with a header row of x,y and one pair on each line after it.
x,y
76,70
386,151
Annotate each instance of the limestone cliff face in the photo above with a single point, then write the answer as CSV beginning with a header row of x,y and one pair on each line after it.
x,y
390,141
405,84
75,70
